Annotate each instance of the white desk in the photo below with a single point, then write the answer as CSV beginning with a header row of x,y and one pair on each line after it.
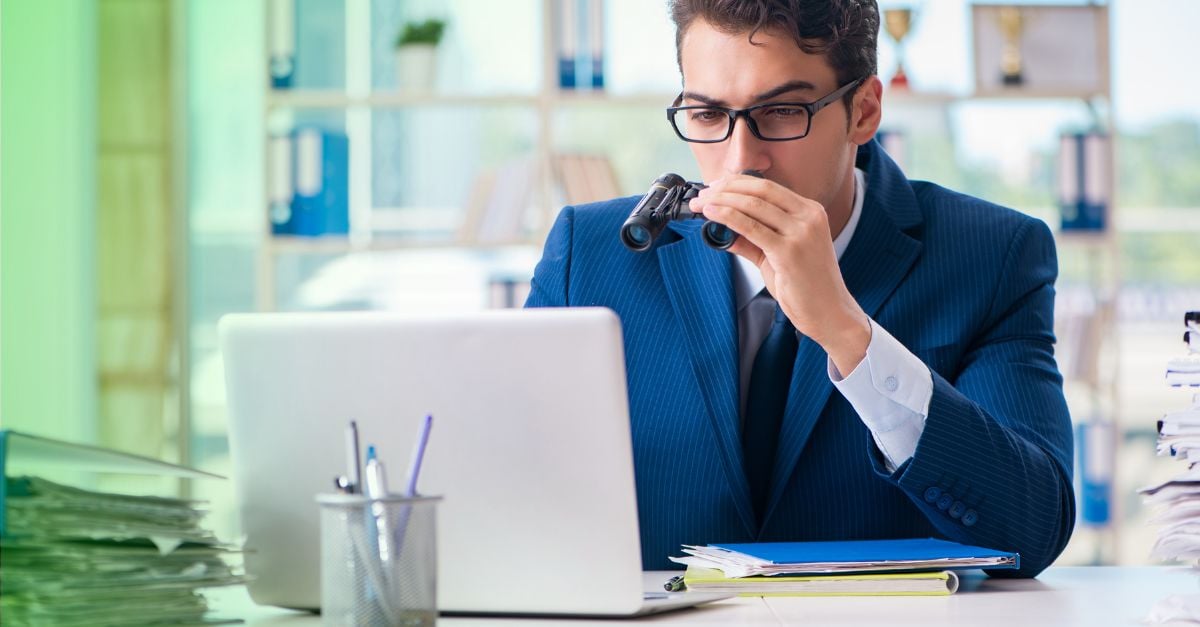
x,y
1060,597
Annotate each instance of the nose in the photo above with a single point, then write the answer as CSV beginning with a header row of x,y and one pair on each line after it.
x,y
745,151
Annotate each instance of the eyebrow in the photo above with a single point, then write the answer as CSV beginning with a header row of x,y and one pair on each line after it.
x,y
766,95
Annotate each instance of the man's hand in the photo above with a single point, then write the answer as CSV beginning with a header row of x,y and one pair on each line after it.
x,y
787,236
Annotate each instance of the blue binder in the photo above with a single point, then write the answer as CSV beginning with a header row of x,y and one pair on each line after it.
x,y
321,204
862,556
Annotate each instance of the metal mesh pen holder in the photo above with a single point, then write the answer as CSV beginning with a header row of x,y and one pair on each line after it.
x,y
378,560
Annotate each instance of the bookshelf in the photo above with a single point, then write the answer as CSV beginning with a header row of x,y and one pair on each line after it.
x,y
356,106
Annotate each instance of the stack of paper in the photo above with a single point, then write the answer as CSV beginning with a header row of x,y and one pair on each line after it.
x,y
1179,434
77,557
1177,500
1185,370
929,583
860,556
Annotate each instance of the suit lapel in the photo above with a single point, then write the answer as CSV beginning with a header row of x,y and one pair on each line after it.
x,y
878,258
699,282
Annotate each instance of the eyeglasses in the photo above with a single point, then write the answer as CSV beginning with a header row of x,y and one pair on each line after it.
x,y
773,121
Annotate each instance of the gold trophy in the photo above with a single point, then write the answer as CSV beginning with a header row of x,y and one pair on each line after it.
x,y
1011,22
898,22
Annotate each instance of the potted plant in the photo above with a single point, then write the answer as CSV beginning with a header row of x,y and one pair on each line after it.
x,y
416,54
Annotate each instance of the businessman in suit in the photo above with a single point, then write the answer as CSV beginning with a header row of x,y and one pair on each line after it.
x,y
875,357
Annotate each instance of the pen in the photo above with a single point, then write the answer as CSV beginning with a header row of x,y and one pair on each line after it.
x,y
376,480
352,459
675,584
376,484
410,483
418,456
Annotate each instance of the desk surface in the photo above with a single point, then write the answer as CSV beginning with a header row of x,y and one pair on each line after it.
x,y
1062,597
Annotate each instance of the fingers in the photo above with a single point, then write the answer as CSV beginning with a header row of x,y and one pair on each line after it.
x,y
714,205
764,212
743,247
769,191
761,235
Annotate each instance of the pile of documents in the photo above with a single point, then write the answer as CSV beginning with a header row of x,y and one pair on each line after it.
x,y
911,566
77,557
1185,370
1177,500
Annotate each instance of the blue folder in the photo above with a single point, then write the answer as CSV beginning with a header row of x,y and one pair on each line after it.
x,y
940,554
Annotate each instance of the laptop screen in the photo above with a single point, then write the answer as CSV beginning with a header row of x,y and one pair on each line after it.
x,y
530,448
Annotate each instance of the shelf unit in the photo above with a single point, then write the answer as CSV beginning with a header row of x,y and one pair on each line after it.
x,y
1092,390
358,100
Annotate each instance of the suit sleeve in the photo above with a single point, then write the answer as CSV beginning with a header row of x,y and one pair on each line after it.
x,y
551,277
993,465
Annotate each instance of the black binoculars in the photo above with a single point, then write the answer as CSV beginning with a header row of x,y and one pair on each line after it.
x,y
668,200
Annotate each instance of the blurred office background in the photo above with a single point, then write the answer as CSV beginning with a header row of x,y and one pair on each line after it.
x,y
155,178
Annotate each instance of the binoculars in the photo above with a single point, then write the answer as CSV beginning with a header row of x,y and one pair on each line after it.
x,y
668,200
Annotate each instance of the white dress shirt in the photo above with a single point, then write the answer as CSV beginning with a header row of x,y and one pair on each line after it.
x,y
890,389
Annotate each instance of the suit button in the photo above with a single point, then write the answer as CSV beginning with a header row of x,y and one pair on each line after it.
x,y
932,494
957,509
969,518
943,503
891,384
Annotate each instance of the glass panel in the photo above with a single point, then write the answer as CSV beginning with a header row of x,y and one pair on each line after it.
x,y
430,159
639,44
637,140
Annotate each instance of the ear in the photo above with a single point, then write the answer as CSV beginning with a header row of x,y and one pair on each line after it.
x,y
867,111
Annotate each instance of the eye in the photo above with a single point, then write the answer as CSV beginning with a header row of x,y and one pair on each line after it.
x,y
783,112
707,116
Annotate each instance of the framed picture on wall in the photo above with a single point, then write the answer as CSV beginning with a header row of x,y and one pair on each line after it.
x,y
1040,50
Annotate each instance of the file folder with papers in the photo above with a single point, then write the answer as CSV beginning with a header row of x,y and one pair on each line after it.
x,y
855,556
926,583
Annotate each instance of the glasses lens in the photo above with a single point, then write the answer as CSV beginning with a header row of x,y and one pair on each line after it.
x,y
702,124
781,122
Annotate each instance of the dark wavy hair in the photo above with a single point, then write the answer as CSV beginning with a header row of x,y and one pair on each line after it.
x,y
845,31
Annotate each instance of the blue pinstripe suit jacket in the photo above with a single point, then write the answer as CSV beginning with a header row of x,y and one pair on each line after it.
x,y
966,285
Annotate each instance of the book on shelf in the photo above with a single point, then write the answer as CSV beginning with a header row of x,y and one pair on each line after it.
x,y
566,41
595,24
585,178
501,200
309,186
282,40
74,556
924,583
1084,173
579,43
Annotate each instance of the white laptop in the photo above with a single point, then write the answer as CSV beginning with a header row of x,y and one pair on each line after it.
x,y
530,448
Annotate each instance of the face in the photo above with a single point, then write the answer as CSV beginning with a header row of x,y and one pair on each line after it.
x,y
727,70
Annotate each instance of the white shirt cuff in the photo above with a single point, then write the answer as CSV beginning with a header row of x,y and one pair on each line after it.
x,y
890,389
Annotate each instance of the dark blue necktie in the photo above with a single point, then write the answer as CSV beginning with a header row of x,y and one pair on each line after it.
x,y
768,391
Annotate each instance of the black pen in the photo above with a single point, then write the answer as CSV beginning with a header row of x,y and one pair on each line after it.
x,y
675,584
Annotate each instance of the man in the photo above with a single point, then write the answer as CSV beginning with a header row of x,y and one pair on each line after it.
x,y
930,312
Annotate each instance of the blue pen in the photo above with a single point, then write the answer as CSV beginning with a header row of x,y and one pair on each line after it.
x,y
418,456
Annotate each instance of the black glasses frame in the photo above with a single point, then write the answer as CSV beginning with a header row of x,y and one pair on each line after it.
x,y
811,107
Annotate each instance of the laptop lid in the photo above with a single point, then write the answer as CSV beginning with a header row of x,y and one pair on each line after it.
x,y
530,448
